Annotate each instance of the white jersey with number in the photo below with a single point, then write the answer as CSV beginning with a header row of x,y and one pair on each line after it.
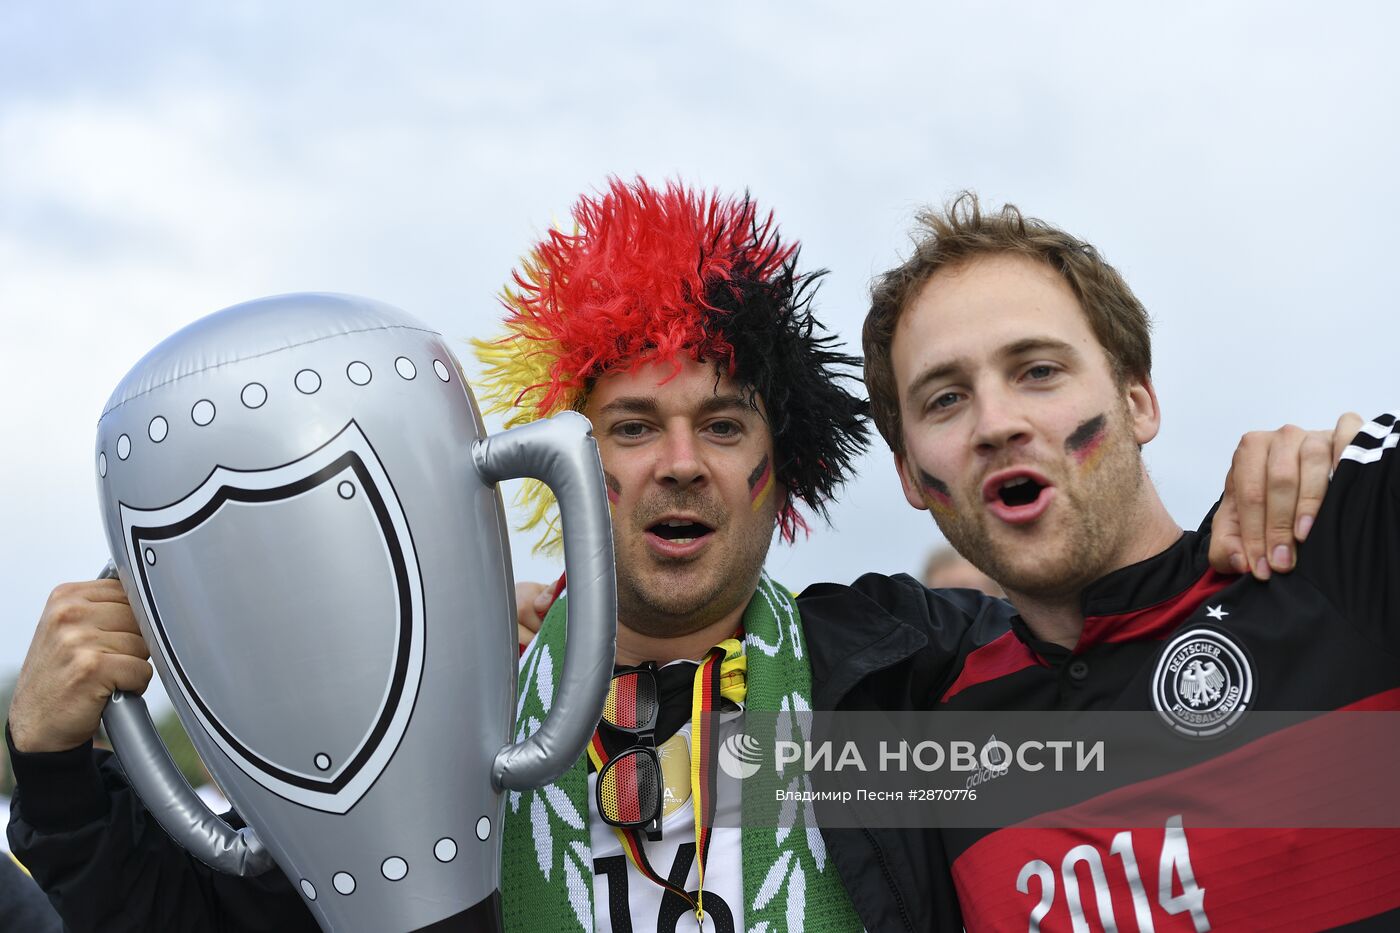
x,y
625,901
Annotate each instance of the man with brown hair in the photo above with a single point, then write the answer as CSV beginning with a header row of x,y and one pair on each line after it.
x,y
1009,368
951,239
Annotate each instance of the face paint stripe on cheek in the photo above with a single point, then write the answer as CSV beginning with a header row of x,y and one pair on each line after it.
x,y
935,490
760,482
1086,439
614,488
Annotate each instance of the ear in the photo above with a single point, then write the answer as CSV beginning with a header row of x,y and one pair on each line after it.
x,y
913,491
1143,407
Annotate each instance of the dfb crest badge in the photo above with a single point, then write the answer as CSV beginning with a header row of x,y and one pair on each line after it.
x,y
1203,683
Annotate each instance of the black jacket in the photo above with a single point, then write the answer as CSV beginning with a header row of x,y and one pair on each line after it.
x,y
22,904
884,642
888,643
107,865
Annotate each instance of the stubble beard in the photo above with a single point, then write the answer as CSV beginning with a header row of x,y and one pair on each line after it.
x,y
1092,510
672,598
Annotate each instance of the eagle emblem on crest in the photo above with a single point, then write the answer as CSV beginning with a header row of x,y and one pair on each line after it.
x,y
1201,683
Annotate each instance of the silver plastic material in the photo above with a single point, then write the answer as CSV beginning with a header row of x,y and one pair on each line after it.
x,y
561,453
293,501
168,796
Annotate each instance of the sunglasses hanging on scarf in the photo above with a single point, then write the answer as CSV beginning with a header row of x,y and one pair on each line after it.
x,y
631,788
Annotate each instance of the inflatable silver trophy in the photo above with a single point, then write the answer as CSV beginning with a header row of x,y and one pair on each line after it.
x,y
299,499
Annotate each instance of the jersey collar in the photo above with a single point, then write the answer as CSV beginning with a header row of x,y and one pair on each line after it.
x,y
1146,600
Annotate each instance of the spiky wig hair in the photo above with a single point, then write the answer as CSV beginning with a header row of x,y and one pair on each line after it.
x,y
648,275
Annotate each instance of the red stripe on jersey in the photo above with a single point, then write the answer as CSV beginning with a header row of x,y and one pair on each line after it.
x,y
1386,701
1156,621
1251,878
1006,655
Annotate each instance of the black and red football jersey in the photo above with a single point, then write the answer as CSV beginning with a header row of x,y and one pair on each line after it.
x,y
1200,650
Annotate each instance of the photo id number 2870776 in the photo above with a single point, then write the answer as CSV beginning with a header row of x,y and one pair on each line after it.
x,y
928,794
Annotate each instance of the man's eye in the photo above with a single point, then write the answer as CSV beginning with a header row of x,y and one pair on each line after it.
x,y
1043,371
944,401
724,428
631,429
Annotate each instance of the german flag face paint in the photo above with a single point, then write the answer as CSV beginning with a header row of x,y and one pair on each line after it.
x,y
1085,443
614,488
936,492
760,482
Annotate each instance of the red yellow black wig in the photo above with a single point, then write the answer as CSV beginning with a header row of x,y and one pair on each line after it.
x,y
647,275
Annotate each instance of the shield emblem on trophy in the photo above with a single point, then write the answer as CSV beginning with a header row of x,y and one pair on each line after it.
x,y
323,556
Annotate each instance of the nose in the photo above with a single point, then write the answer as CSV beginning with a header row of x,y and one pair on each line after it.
x,y
1001,422
680,464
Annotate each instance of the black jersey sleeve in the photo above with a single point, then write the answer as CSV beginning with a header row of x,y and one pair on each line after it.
x,y
915,637
106,865
1353,552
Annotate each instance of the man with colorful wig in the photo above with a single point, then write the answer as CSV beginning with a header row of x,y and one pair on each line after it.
x,y
678,322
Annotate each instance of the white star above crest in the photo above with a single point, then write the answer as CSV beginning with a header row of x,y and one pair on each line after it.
x,y
1217,612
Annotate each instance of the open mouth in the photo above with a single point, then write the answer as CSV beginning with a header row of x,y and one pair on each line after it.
x,y
680,531
1018,491
1018,496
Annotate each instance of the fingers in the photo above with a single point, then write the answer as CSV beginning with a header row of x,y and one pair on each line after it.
x,y
1273,492
91,604
103,617
524,635
532,601
1314,469
96,674
121,643
99,591
1227,553
87,644
1348,426
124,672
1318,455
1248,480
1281,496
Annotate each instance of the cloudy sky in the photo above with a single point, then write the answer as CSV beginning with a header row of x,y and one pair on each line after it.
x,y
158,162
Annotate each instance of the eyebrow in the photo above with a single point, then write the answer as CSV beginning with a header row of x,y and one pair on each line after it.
x,y
631,405
648,405
954,367
1036,344
718,403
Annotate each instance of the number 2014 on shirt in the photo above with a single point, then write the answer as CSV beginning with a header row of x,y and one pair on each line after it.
x,y
1174,865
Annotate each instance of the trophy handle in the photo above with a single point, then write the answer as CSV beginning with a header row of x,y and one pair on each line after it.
x,y
561,453
167,795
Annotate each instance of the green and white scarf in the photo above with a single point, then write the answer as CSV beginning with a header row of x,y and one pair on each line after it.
x,y
789,883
